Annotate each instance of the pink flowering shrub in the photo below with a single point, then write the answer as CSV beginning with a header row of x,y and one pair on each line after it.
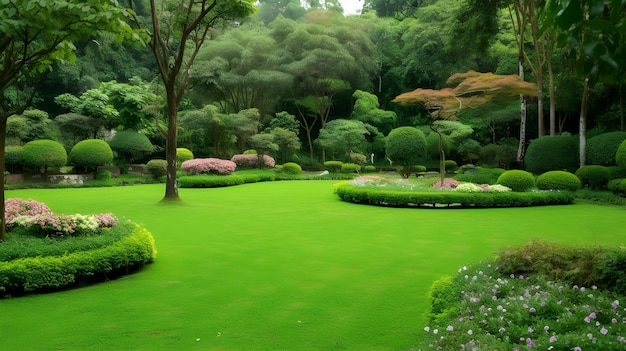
x,y
448,184
52,225
252,161
208,166
15,207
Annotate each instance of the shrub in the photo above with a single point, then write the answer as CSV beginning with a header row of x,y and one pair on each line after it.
x,y
494,155
620,155
517,180
479,175
406,146
357,158
419,169
617,172
594,177
91,153
12,157
131,146
209,181
550,153
15,207
49,225
208,166
250,152
292,168
350,168
252,161
182,155
450,166
158,168
369,169
333,166
448,184
104,174
468,188
558,180
432,145
618,186
601,149
43,154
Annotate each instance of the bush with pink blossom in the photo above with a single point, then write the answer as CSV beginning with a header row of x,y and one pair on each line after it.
x,y
208,166
51,225
448,184
15,207
252,161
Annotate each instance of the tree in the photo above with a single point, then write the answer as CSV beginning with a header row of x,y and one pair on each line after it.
x,y
406,146
287,141
43,154
33,35
366,110
179,28
264,144
342,136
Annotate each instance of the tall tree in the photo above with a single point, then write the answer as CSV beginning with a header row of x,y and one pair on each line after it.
x,y
179,28
33,35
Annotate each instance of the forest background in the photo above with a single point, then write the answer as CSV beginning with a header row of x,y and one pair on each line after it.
x,y
322,84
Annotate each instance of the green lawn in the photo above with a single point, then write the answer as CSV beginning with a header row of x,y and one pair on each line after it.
x,y
277,266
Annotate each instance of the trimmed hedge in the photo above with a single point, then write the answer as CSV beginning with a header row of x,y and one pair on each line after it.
x,y
601,149
620,155
618,186
558,180
34,274
350,168
369,169
391,198
158,168
517,180
210,181
292,168
44,154
594,177
333,166
182,155
551,153
91,153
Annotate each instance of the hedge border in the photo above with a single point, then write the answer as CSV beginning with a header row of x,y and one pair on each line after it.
x,y
450,199
43,274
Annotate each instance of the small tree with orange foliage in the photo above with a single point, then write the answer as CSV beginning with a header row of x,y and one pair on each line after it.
x,y
465,90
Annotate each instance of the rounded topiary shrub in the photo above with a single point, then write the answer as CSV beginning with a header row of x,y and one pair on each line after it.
x,y
601,149
250,152
450,166
208,166
158,168
333,166
131,146
12,157
620,155
104,174
369,169
91,153
517,180
594,176
350,168
558,180
551,153
182,155
405,146
292,168
43,154
419,168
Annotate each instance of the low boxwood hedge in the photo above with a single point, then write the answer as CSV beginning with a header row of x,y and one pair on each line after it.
x,y
391,198
47,273
212,181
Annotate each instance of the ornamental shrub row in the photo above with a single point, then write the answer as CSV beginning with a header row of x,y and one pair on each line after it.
x,y
252,160
208,166
381,197
34,274
209,181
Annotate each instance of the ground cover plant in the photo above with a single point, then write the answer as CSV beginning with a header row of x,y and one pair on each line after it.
x,y
278,266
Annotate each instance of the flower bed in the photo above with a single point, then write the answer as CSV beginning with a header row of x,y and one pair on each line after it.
x,y
380,192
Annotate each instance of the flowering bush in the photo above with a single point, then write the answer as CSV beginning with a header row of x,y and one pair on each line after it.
x,y
252,161
497,188
479,309
62,225
448,184
15,207
380,182
469,188
208,166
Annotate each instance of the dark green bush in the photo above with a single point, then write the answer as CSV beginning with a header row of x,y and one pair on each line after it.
x,y
45,273
209,181
517,180
182,155
406,146
479,175
292,168
104,174
611,271
601,149
618,186
12,157
131,146
620,155
350,168
91,153
333,166
594,177
558,180
617,172
418,168
43,154
369,169
450,166
432,145
551,153
494,155
158,168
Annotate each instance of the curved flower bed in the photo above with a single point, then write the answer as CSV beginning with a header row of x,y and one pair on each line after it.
x,y
51,252
380,192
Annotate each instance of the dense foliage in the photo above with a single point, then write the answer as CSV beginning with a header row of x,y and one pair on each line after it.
x,y
558,180
517,180
43,154
594,176
406,146
91,153
601,148
131,146
550,153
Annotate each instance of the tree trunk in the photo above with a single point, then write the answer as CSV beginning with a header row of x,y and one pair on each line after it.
x,y
171,182
621,110
583,121
552,98
521,150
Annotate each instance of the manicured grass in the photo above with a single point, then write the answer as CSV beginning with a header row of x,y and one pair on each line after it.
x,y
277,266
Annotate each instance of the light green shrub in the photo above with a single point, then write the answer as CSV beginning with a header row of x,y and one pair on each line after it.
x,y
620,155
450,166
182,155
43,154
91,153
594,176
333,166
558,180
406,146
250,152
369,169
292,168
517,180
12,157
350,168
